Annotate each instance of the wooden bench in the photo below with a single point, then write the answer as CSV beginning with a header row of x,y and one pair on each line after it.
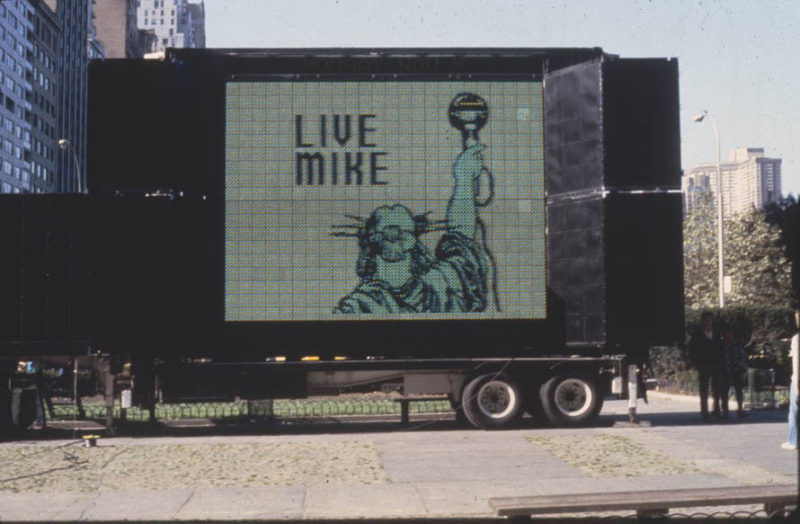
x,y
646,503
405,401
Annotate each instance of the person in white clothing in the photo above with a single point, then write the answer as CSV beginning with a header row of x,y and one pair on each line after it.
x,y
791,442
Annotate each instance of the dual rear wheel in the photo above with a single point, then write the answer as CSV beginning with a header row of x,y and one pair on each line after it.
x,y
570,400
494,400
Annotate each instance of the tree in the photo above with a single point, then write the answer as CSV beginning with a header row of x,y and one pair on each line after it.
x,y
755,259
700,254
786,215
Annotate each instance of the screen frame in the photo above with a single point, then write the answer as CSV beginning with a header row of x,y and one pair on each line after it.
x,y
371,79
401,337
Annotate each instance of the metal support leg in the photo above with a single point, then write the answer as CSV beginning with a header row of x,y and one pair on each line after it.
x,y
105,367
404,411
633,393
76,394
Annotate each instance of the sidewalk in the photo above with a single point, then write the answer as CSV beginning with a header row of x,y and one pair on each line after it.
x,y
417,472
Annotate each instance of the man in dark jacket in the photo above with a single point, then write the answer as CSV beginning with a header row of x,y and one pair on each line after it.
x,y
706,354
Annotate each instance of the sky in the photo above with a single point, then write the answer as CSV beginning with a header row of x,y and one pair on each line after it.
x,y
737,59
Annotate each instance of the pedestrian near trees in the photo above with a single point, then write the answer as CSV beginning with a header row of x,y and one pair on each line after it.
x,y
706,355
736,367
791,442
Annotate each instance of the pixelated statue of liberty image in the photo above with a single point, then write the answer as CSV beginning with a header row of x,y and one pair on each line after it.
x,y
398,273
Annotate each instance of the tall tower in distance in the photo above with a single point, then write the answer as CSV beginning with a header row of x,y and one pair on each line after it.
x,y
750,180
117,28
176,23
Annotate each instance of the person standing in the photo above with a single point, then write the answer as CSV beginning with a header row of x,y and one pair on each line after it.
x,y
705,354
791,442
736,367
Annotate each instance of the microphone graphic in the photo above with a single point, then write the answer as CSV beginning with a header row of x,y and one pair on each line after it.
x,y
468,113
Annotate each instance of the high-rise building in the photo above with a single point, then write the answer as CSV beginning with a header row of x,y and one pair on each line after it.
x,y
95,48
44,113
16,73
749,180
176,23
74,19
117,29
45,46
197,23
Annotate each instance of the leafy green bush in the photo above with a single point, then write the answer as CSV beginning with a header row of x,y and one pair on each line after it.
x,y
670,367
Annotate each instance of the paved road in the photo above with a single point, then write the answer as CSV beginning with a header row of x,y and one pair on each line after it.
x,y
430,469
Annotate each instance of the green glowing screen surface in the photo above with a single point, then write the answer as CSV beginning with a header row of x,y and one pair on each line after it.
x,y
354,200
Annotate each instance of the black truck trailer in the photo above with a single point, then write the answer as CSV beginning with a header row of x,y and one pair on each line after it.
x,y
499,225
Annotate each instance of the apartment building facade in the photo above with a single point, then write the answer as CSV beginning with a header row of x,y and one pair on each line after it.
x,y
750,180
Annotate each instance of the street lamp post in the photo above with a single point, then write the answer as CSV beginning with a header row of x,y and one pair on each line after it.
x,y
65,144
720,238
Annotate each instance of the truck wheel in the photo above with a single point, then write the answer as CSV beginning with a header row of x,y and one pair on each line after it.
x,y
492,401
570,400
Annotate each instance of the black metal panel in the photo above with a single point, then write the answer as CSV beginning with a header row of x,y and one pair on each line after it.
x,y
131,129
641,126
12,240
576,271
44,273
378,61
644,269
133,292
573,129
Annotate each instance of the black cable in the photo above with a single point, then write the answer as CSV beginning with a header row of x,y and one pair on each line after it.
x,y
46,449
73,460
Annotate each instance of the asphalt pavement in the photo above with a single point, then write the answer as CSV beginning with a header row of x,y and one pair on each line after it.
x,y
428,469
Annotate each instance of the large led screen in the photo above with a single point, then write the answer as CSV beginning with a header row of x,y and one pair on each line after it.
x,y
376,200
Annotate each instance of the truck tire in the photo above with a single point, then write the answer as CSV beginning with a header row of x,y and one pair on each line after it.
x,y
492,401
570,400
